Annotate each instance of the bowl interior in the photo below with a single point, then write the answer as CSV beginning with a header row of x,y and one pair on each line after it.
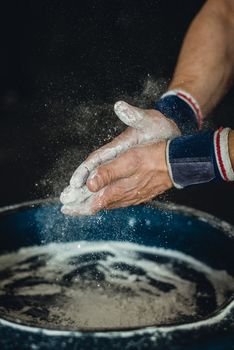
x,y
121,269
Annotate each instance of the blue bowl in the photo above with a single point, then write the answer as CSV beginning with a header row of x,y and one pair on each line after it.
x,y
168,226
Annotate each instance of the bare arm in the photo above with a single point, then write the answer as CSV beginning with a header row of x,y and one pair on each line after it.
x,y
205,66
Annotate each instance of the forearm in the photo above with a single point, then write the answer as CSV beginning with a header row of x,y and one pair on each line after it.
x,y
206,63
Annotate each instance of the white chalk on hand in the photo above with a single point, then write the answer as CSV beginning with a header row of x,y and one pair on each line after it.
x,y
76,198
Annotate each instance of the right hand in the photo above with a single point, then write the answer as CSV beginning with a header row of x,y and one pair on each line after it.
x,y
144,126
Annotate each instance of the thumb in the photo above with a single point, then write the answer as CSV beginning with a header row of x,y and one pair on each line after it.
x,y
133,116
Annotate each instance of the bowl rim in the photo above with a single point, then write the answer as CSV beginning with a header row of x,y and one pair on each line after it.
x,y
212,220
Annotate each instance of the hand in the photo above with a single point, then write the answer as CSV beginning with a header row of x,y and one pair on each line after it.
x,y
144,126
136,176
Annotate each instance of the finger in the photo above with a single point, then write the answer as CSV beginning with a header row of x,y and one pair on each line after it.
x,y
78,208
71,194
82,173
132,201
80,176
85,170
106,153
118,192
68,195
117,196
122,167
133,116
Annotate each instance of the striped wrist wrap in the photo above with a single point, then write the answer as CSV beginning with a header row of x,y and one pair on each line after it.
x,y
182,108
199,158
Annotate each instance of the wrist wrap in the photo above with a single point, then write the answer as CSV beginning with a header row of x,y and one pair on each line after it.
x,y
199,158
182,108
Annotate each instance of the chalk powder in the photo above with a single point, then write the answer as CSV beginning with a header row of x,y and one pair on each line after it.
x,y
107,285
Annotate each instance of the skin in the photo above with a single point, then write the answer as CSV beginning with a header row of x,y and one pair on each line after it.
x,y
137,173
134,177
145,126
205,66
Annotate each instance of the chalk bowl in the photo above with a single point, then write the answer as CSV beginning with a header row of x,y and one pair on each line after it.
x,y
141,277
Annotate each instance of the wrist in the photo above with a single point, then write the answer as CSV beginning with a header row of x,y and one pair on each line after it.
x,y
160,167
182,109
188,84
200,158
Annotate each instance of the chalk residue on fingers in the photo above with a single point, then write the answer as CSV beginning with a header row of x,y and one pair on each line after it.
x,y
99,157
80,176
78,207
144,126
132,116
153,125
80,201
147,128
72,194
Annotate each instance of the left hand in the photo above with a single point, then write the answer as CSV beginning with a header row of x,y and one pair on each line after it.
x,y
135,176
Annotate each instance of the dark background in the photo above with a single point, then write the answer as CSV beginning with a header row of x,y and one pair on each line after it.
x,y
62,66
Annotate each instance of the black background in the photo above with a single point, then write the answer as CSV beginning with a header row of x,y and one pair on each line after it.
x,y
62,66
